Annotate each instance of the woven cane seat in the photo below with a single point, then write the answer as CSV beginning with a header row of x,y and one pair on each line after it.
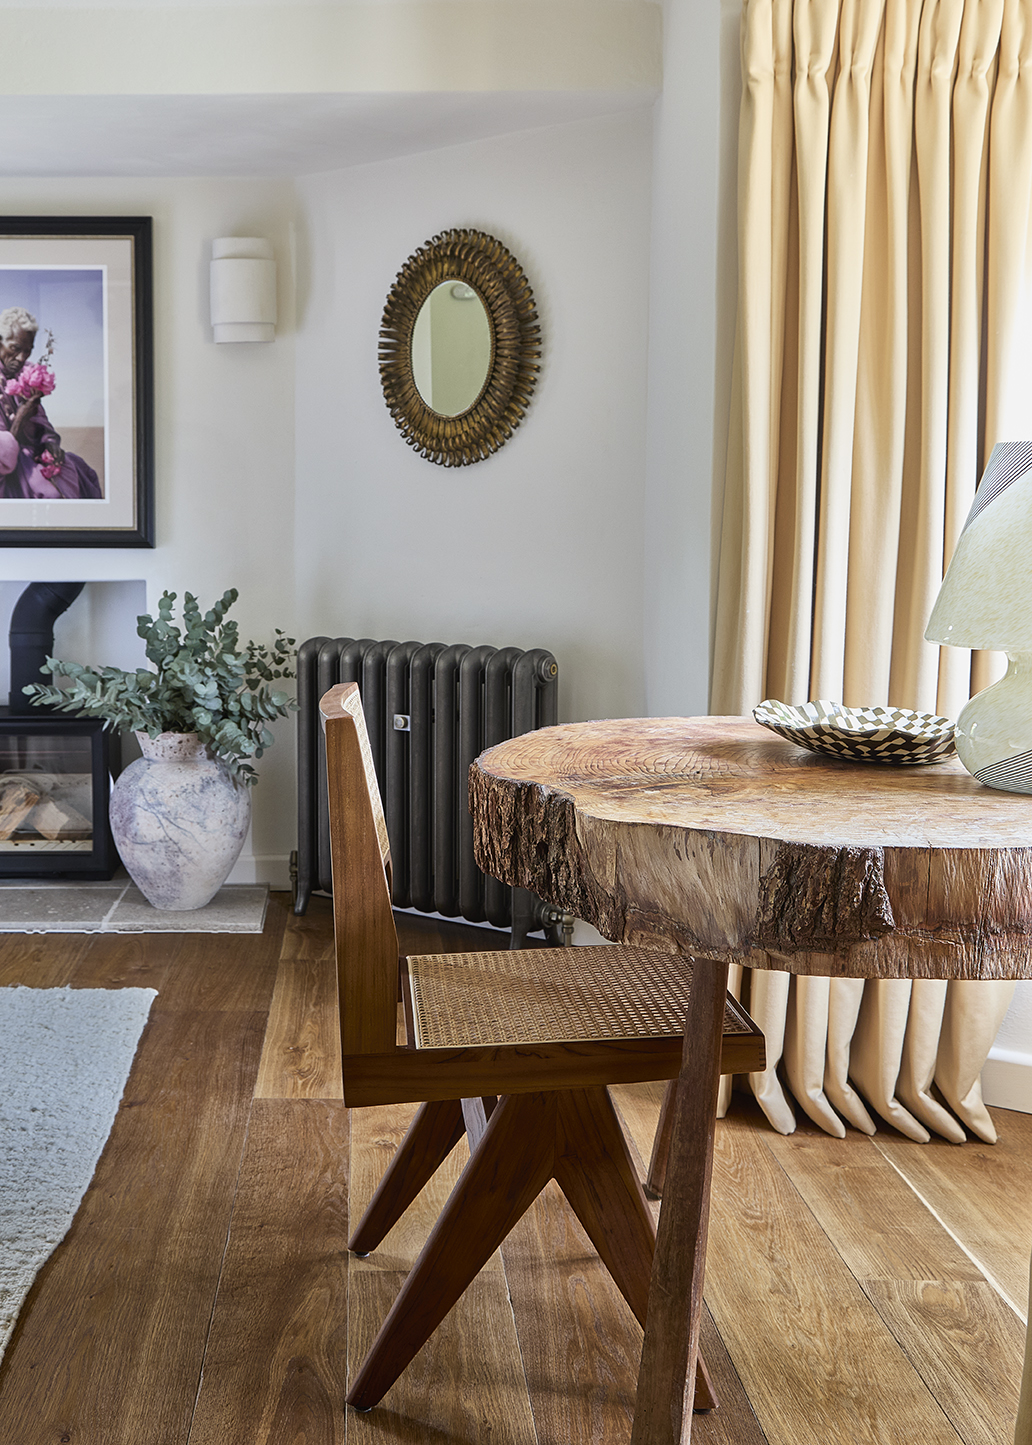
x,y
551,995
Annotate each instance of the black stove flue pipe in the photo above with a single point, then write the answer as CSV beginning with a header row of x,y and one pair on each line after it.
x,y
32,635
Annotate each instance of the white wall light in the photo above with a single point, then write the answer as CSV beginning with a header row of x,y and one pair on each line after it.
x,y
243,289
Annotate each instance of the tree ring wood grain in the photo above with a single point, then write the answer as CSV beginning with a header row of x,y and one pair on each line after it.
x,y
482,262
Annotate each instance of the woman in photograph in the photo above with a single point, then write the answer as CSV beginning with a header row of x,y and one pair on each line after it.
x,y
32,461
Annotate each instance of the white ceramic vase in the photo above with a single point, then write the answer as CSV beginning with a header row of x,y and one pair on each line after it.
x,y
178,820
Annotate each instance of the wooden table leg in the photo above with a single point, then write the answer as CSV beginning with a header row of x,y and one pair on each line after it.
x,y
666,1381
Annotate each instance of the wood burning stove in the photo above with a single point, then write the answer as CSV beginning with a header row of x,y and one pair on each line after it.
x,y
55,771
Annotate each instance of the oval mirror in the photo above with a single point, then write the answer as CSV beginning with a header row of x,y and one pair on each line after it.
x,y
459,389
451,348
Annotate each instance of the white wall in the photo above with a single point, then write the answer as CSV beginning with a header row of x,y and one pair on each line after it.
x,y
100,626
541,544
1007,1077
224,437
690,347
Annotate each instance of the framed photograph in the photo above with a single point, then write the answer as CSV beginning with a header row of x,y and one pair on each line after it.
x,y
76,382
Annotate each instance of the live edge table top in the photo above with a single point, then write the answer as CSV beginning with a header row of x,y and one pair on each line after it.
x,y
716,836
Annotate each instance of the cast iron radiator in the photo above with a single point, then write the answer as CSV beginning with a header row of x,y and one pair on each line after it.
x,y
430,709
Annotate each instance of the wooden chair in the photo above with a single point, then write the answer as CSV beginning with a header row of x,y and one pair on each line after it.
x,y
545,1029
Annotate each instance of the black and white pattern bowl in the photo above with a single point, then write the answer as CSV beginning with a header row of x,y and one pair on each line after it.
x,y
862,734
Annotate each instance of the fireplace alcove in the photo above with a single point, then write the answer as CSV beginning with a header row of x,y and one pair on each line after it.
x,y
55,771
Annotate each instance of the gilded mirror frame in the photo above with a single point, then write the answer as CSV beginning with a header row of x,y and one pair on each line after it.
x,y
483,263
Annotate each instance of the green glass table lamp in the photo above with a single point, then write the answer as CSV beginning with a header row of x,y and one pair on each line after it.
x,y
986,601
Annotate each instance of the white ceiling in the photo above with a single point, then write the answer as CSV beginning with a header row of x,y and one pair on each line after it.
x,y
266,135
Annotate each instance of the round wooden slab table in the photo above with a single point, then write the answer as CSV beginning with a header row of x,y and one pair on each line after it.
x,y
716,837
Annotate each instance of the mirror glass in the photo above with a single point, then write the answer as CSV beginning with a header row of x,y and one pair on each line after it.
x,y
451,348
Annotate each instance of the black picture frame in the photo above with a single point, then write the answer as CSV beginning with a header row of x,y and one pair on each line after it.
x,y
120,249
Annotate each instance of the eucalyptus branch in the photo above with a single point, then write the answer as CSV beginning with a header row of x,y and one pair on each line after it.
x,y
202,681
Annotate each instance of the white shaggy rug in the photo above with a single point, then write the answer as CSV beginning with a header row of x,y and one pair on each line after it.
x,y
65,1056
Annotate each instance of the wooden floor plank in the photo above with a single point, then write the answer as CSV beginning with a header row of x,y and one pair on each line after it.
x,y
231,972
967,1346
110,1343
638,1106
881,1227
423,934
301,1055
128,960
849,1312
467,1384
274,1367
36,960
734,1422
819,1365
965,1342
581,1345
981,1192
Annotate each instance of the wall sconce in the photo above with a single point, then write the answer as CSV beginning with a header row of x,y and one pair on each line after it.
x,y
243,289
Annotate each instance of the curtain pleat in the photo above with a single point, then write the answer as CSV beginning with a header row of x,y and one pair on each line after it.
x,y
1008,289
882,348
979,43
859,24
920,1054
876,1051
844,999
814,36
806,1049
881,391
1009,239
768,1004
764,164
971,1020
916,662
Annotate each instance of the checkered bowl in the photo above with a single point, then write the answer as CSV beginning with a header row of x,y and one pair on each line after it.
x,y
861,734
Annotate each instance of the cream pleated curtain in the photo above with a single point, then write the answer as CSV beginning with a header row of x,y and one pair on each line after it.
x,y
885,177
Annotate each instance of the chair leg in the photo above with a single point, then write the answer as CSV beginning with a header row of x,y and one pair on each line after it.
x,y
476,1113
595,1171
513,1164
432,1135
656,1176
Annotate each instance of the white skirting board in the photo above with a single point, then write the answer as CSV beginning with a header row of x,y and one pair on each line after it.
x,y
270,868
1007,1080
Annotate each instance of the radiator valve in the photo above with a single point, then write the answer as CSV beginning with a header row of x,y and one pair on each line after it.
x,y
558,918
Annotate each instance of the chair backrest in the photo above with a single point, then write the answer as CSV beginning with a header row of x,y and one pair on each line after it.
x,y
365,937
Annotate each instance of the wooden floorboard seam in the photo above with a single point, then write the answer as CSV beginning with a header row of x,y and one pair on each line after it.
x,y
982,1268
913,1358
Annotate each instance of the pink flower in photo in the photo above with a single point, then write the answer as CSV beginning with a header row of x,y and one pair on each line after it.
x,y
49,465
34,379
